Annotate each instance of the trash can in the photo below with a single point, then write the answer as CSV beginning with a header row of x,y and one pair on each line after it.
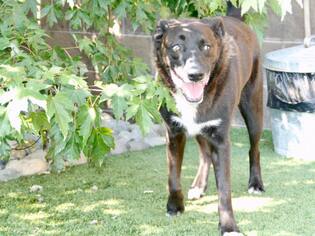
x,y
291,99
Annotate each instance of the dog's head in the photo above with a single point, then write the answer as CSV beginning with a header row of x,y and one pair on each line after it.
x,y
187,52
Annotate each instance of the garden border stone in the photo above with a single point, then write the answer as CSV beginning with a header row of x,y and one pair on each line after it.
x,y
128,137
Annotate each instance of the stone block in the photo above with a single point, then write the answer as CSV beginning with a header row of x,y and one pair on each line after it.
x,y
121,146
136,133
9,174
124,134
34,163
159,129
136,145
155,141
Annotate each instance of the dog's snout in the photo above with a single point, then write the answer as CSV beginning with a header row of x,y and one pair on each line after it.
x,y
195,77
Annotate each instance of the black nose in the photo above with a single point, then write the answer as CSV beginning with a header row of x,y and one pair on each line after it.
x,y
195,77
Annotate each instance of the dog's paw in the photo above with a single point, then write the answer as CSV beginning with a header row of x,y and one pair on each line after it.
x,y
195,193
233,234
255,191
175,203
255,186
172,214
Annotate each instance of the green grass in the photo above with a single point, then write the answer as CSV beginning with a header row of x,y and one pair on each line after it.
x,y
131,197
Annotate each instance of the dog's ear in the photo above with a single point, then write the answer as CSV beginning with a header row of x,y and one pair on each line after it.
x,y
161,28
216,24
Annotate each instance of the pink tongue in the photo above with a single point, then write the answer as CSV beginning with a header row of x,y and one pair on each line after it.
x,y
193,90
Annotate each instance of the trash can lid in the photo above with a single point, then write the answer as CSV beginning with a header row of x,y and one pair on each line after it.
x,y
299,59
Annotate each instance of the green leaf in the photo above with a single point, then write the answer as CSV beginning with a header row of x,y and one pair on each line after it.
x,y
57,140
165,98
86,119
152,108
119,104
275,6
30,5
99,144
45,10
8,72
235,3
37,85
143,119
247,4
261,5
33,96
5,149
72,149
4,43
86,45
109,90
77,96
132,110
107,135
61,108
120,10
5,128
51,17
39,121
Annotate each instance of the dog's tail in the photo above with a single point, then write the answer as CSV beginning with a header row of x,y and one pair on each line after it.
x,y
234,11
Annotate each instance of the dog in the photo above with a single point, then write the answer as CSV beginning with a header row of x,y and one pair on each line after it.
x,y
211,66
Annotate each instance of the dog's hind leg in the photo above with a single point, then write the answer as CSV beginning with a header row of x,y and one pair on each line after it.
x,y
251,108
199,185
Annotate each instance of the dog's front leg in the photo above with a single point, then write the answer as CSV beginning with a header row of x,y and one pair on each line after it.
x,y
175,151
221,162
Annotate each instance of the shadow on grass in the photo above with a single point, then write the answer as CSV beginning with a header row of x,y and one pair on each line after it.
x,y
131,194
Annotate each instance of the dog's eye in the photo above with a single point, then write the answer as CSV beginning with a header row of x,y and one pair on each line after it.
x,y
206,47
176,48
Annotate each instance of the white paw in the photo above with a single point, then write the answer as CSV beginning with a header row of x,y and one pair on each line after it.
x,y
172,215
195,193
233,234
253,191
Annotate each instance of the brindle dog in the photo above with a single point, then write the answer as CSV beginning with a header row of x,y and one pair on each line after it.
x,y
211,66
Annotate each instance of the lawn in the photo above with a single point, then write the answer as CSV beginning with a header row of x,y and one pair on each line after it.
x,y
127,196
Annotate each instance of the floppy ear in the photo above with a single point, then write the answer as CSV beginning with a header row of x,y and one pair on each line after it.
x,y
216,24
161,28
158,35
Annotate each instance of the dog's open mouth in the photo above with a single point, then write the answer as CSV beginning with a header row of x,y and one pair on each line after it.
x,y
193,91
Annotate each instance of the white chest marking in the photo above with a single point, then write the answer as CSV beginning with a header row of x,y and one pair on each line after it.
x,y
187,118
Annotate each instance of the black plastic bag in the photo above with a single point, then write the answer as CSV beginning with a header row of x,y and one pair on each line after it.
x,y
291,91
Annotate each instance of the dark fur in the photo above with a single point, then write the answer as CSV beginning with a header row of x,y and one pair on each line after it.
x,y
235,81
